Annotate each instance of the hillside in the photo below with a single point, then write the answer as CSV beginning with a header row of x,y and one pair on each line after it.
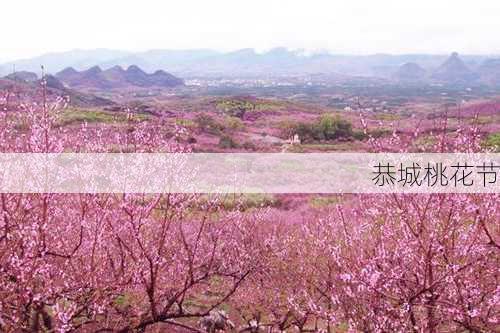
x,y
75,98
55,89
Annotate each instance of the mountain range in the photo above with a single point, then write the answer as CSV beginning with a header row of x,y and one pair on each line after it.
x,y
247,63
116,77
453,70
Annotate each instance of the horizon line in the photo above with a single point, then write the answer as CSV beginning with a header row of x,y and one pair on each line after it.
x,y
299,51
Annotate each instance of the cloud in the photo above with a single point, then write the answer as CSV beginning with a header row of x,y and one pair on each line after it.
x,y
356,26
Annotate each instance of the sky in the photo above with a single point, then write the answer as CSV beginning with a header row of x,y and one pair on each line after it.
x,y
33,27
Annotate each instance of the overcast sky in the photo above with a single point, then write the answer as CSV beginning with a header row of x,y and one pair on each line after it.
x,y
33,27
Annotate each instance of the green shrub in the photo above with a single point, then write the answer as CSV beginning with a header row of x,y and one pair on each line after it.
x,y
380,132
233,123
235,107
187,123
359,135
493,141
208,124
327,127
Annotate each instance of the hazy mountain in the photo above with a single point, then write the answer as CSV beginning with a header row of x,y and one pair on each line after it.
x,y
91,77
52,82
410,71
23,76
281,61
68,74
115,74
249,63
54,62
3,70
170,60
161,78
489,71
454,70
116,77
245,62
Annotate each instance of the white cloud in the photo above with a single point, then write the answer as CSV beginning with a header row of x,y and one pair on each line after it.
x,y
33,27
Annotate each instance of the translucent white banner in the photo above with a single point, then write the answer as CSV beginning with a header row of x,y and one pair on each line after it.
x,y
250,173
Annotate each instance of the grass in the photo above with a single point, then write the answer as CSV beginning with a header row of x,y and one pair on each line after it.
x,y
73,116
387,116
76,116
493,141
323,147
324,201
380,132
245,202
485,120
241,202
235,107
425,142
187,123
123,301
227,202
233,123
238,106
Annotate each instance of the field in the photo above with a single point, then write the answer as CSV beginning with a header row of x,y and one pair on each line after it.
x,y
258,262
